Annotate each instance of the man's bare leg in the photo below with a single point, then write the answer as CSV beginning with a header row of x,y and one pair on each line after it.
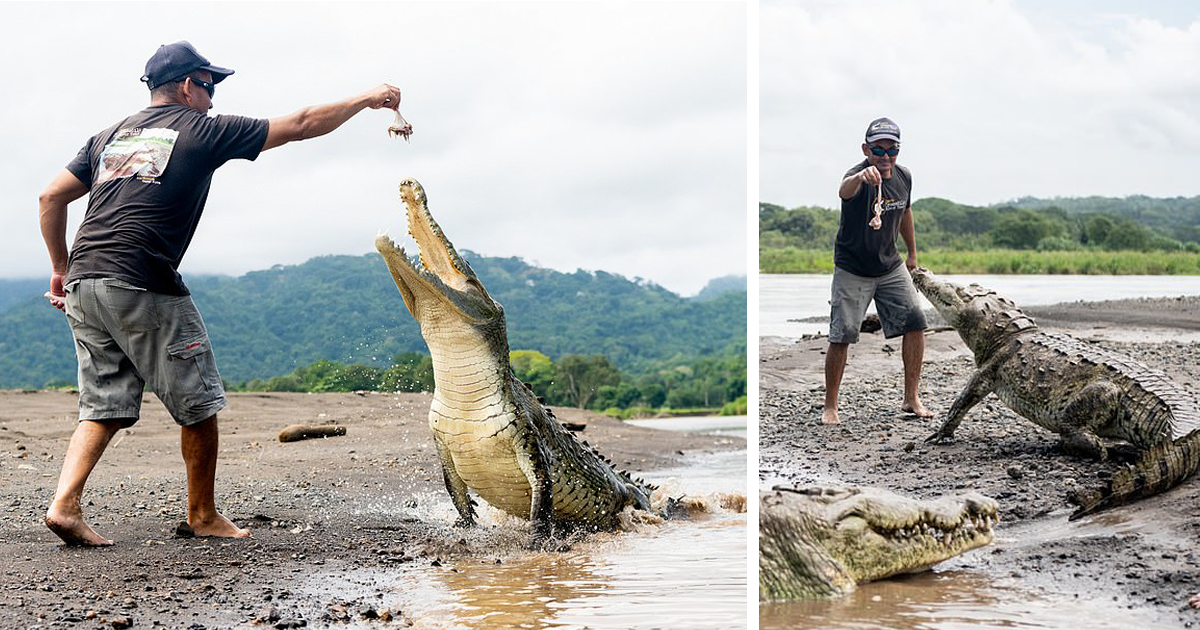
x,y
835,366
64,517
913,353
198,443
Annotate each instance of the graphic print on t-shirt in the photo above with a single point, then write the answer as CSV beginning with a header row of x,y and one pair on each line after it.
x,y
141,153
890,204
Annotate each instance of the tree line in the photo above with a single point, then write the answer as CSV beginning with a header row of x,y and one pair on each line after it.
x,y
709,383
346,309
1095,223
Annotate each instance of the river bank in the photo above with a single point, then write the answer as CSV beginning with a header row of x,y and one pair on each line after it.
x,y
331,518
1135,564
1003,261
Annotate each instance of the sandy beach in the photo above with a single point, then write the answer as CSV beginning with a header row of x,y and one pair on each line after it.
x,y
372,500
1139,557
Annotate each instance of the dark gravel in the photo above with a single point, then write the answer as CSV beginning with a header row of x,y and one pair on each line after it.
x,y
1151,560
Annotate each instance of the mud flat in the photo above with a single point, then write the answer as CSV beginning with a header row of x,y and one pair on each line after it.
x,y
1136,564
330,517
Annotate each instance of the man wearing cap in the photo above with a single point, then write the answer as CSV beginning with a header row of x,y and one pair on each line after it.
x,y
147,179
876,204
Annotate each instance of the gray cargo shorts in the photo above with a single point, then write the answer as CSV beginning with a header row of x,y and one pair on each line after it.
x,y
126,337
895,299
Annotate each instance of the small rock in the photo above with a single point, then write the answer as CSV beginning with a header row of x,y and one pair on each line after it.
x,y
268,614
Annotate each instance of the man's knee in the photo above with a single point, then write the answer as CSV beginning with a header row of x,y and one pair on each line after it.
x,y
835,355
112,425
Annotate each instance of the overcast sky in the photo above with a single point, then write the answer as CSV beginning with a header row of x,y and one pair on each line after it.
x,y
596,135
996,99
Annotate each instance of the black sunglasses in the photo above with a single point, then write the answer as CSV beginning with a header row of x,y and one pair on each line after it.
x,y
211,88
880,151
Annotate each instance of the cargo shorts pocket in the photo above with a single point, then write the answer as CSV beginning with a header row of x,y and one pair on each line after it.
x,y
131,306
190,369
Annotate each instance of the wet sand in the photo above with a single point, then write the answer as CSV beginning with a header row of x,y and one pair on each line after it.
x,y
1143,558
370,501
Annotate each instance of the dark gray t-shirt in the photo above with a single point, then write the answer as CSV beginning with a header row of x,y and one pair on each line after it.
x,y
148,178
864,251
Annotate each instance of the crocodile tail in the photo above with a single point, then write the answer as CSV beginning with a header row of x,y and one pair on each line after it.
x,y
1159,469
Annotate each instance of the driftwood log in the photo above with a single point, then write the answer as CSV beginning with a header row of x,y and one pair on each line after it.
x,y
297,432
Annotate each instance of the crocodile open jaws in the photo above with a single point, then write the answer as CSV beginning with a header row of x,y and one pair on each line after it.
x,y
1078,390
818,542
492,434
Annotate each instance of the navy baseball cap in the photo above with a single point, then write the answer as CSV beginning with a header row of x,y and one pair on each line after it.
x,y
173,61
883,129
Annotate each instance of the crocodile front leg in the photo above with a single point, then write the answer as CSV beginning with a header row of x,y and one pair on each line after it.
x,y
455,486
981,383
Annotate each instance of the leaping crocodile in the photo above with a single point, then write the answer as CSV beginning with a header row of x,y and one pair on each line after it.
x,y
492,434
1078,390
818,542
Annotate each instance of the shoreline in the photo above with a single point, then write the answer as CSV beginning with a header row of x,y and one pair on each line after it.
x,y
370,501
1140,556
950,261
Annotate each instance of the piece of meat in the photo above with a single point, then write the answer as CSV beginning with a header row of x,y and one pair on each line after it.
x,y
877,220
400,127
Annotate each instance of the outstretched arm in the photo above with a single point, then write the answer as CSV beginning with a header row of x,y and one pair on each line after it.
x,y
52,214
319,120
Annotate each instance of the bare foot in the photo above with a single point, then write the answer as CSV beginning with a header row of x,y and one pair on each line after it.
x,y
830,416
218,526
69,525
1194,602
917,409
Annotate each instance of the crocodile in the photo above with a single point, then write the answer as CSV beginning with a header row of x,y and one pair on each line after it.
x,y
492,433
1086,394
817,542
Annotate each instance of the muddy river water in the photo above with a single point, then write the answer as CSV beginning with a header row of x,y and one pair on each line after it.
x,y
680,574
789,302
967,593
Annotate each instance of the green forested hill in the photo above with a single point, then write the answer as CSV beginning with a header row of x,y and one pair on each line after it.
x,y
13,291
1097,223
346,308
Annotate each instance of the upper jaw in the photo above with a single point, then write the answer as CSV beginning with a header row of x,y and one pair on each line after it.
x,y
443,274
934,531
945,296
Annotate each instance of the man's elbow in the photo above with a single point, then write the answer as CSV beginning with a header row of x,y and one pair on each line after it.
x,y
52,198
290,128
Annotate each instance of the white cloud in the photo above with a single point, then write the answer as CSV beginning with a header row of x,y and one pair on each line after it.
x,y
595,135
994,101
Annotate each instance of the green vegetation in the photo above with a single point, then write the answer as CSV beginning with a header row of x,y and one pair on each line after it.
x,y
1095,235
707,385
409,372
292,327
1002,261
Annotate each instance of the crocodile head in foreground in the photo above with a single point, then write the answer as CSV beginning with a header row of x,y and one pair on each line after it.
x,y
492,434
820,542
